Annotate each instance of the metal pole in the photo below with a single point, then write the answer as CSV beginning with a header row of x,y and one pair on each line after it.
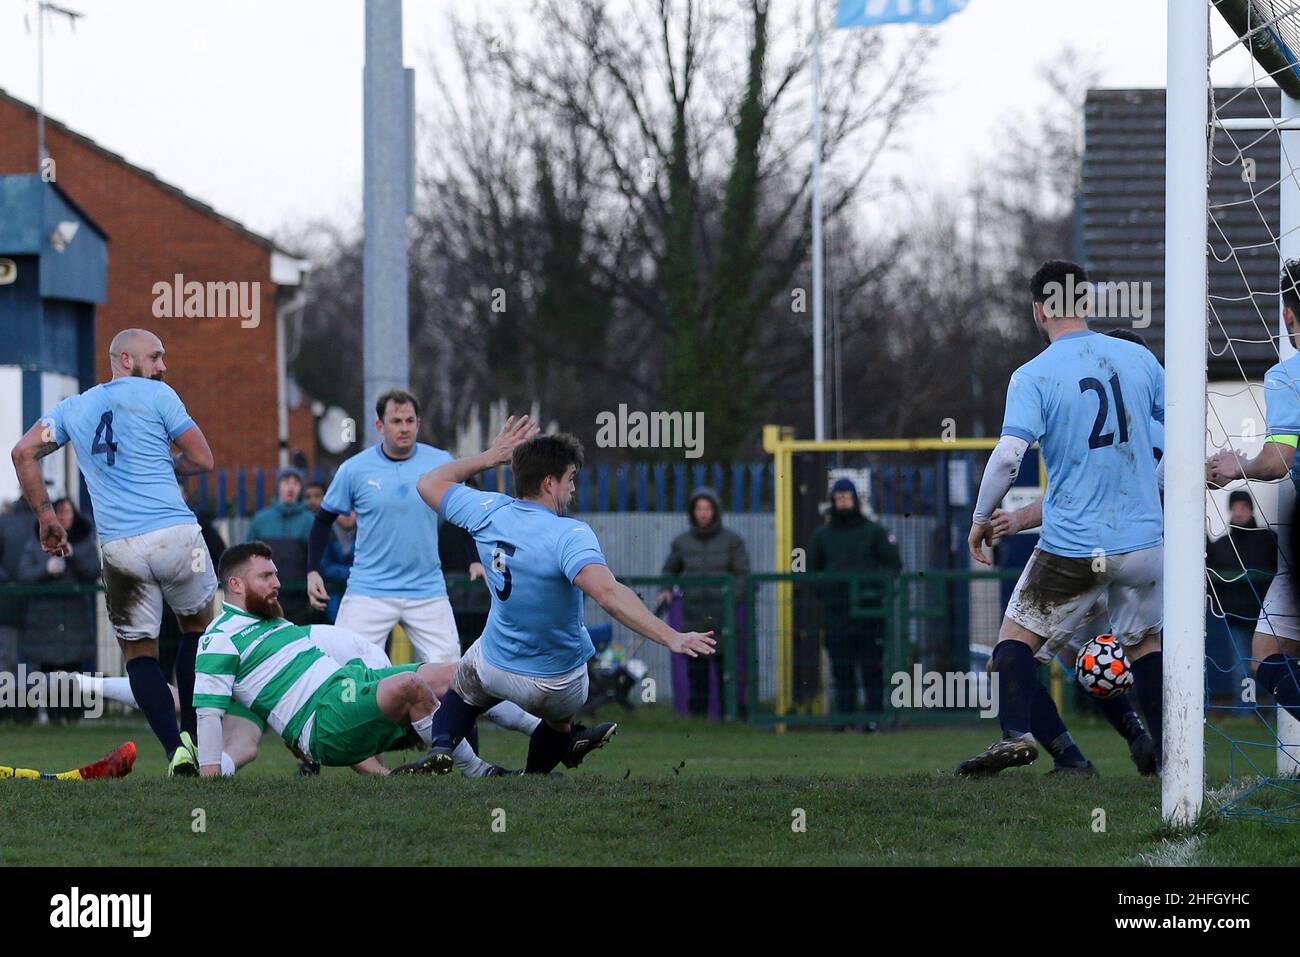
x,y
1186,195
386,337
40,87
818,331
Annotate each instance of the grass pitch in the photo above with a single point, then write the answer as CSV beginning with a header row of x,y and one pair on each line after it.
x,y
664,792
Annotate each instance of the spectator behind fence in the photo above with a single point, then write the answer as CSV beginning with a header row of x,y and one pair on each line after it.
x,y
705,549
15,528
312,496
286,526
59,630
851,542
1242,565
336,563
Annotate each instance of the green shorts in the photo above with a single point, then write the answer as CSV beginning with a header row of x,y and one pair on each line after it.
x,y
349,726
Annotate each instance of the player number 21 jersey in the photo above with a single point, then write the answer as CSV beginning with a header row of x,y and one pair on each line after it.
x,y
1089,401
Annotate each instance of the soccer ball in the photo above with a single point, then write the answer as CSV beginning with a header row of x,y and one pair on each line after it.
x,y
1102,668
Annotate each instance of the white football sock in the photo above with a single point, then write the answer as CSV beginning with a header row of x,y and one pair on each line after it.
x,y
114,689
508,715
424,728
469,763
227,765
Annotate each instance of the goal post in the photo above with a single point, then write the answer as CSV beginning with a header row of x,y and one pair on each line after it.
x,y
1186,289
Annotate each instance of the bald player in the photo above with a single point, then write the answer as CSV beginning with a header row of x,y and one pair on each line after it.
x,y
123,431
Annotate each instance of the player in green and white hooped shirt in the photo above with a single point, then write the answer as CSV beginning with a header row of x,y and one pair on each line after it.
x,y
336,715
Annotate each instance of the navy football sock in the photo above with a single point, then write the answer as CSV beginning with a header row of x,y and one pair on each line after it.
x,y
185,681
155,700
1278,674
546,747
453,720
1120,713
1017,677
1149,683
1050,731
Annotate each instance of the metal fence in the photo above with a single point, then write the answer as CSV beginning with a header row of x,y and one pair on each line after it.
x,y
784,638
603,487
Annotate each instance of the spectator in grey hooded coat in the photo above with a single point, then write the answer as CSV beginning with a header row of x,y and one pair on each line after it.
x,y
59,632
705,549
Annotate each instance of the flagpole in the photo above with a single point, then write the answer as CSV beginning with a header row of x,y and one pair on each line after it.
x,y
818,330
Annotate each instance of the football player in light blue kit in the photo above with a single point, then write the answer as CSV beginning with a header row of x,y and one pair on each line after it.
x,y
1088,400
123,431
1118,711
396,575
1275,649
539,564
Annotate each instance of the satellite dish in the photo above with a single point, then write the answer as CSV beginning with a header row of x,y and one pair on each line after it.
x,y
336,430
8,271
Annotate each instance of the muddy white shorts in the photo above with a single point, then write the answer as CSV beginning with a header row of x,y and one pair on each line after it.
x,y
1279,615
551,698
428,622
141,571
1057,594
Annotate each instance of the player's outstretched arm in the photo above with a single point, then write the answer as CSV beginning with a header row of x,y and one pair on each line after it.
x,y
626,607
433,485
1273,462
27,454
195,456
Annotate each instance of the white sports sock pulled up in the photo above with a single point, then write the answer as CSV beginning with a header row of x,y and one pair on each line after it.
x,y
508,715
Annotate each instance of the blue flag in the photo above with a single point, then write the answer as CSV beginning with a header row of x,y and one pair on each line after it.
x,y
868,13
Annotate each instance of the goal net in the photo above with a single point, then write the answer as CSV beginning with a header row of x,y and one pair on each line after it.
x,y
1250,192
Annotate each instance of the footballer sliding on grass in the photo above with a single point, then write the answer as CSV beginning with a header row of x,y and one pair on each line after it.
x,y
264,670
539,563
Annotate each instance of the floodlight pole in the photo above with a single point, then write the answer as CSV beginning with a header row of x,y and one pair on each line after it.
x,y
818,326
387,200
1186,197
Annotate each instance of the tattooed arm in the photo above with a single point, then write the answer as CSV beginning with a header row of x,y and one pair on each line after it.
x,y
27,454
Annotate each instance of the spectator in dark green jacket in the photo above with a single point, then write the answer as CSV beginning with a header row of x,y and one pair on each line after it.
x,y
851,542
705,549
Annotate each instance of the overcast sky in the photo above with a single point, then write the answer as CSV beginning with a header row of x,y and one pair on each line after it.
x,y
255,106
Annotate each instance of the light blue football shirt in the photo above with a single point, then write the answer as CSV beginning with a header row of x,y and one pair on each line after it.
x,y
1282,405
396,552
1088,400
122,432
531,557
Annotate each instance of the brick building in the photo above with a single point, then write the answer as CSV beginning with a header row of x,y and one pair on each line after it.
x,y
229,371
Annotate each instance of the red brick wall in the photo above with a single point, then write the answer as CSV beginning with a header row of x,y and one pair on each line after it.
x,y
224,373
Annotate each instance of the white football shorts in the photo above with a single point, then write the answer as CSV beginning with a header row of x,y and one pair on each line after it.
x,y
141,571
1057,594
